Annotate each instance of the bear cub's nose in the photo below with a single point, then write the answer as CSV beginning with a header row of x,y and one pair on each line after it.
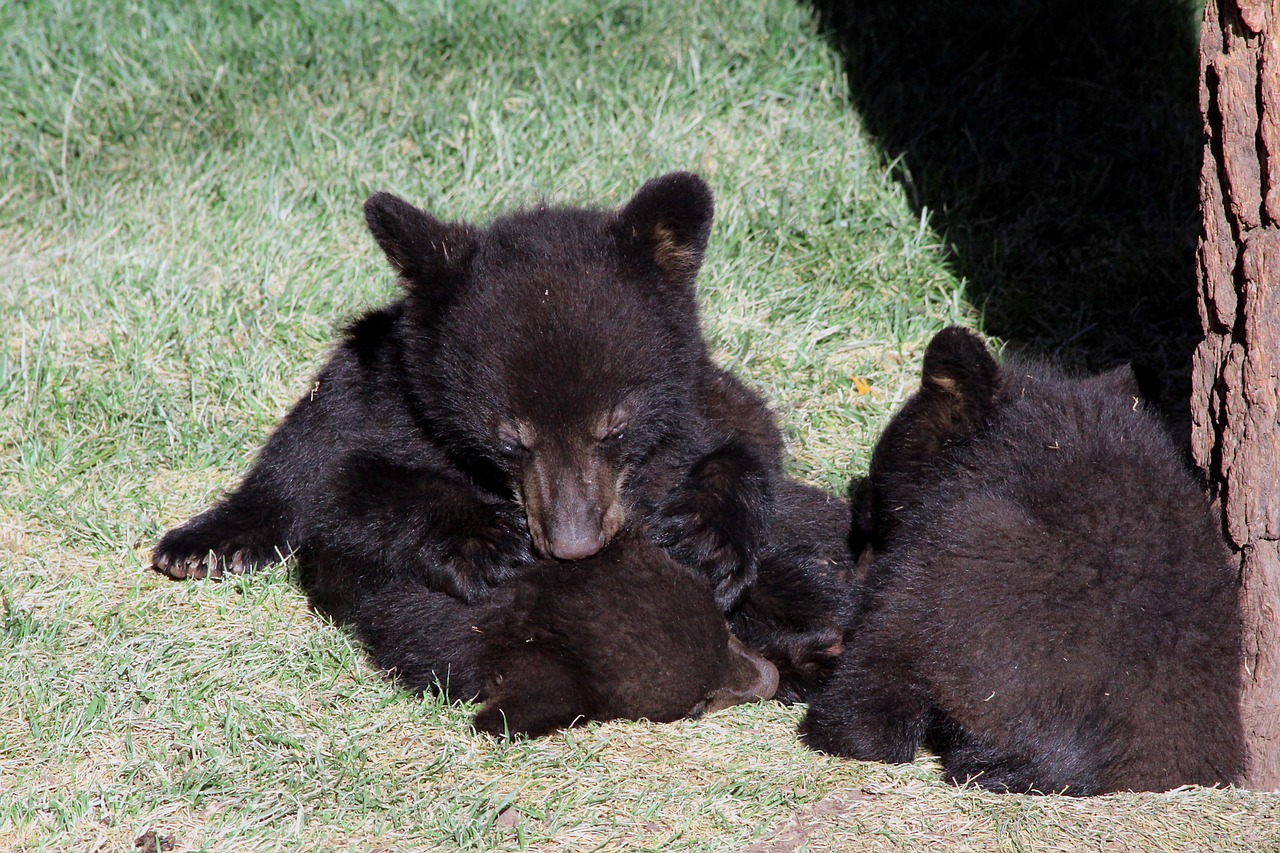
x,y
576,544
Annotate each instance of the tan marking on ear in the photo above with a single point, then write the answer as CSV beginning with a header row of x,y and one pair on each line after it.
x,y
675,258
943,383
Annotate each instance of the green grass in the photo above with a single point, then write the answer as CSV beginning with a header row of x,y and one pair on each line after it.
x,y
180,234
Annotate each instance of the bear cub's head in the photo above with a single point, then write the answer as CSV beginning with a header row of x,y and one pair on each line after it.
x,y
626,634
962,390
557,346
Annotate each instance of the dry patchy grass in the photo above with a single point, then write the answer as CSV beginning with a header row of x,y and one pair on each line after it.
x,y
179,236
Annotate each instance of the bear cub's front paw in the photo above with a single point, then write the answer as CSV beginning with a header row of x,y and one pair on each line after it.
x,y
194,552
485,554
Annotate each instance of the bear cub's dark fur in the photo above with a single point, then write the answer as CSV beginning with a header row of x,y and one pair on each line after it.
x,y
624,634
1050,602
805,592
541,386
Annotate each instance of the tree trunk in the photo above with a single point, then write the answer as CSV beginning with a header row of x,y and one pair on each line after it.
x,y
1236,374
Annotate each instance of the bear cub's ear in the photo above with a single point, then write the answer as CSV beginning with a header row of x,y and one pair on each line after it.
x,y
1128,380
956,362
670,217
420,247
960,377
534,694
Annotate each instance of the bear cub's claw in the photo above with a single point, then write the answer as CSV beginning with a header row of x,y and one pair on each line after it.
x,y
185,554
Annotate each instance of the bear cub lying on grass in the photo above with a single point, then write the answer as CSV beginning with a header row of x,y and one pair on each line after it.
x,y
1051,603
541,386
624,634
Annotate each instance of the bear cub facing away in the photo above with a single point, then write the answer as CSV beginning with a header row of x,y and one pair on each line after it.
x,y
1050,601
625,634
540,387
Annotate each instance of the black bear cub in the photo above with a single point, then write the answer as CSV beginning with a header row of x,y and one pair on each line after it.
x,y
540,387
1050,604
624,634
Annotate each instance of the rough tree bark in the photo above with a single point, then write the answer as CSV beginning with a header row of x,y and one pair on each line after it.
x,y
1235,406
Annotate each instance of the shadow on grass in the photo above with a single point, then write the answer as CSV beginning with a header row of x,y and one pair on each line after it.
x,y
1056,146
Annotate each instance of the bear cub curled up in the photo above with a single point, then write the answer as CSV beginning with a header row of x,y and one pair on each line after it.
x,y
624,634
1050,602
